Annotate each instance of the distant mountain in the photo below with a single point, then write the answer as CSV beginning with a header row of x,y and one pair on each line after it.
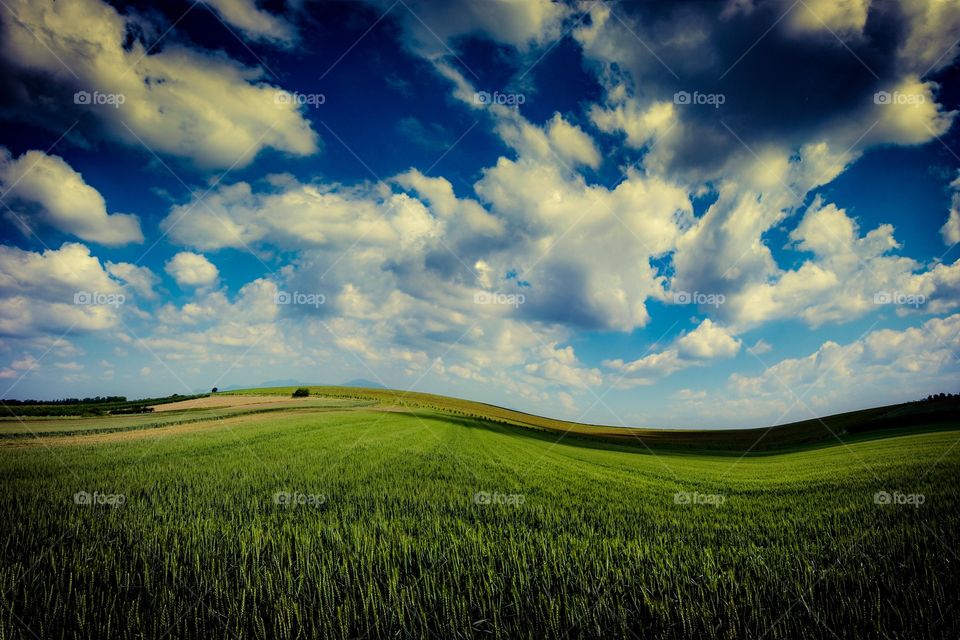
x,y
283,382
362,382
286,382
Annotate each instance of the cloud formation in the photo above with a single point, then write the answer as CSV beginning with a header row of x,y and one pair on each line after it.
x,y
53,193
172,99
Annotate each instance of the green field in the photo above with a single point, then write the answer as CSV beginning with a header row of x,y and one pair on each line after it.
x,y
421,523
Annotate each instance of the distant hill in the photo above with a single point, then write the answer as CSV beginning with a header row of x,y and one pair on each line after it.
x,y
358,382
874,422
293,382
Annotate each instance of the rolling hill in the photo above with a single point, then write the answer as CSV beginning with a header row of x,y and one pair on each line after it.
x,y
377,514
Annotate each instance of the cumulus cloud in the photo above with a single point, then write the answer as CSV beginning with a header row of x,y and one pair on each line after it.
x,y
138,278
432,28
847,276
908,364
300,215
254,22
53,193
558,140
212,327
951,228
175,100
192,269
560,220
907,112
724,252
847,17
760,347
646,54
647,369
708,341
58,290
572,143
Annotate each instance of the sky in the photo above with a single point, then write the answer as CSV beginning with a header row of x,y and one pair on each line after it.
x,y
676,214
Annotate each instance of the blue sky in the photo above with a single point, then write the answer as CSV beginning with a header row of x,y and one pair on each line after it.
x,y
667,214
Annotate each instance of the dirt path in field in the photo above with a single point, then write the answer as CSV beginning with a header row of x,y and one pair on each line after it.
x,y
211,424
217,401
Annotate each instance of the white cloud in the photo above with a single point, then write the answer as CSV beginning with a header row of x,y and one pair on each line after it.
x,y
20,367
641,127
696,348
300,215
192,269
951,228
647,369
689,395
40,292
843,278
931,41
140,279
907,113
205,107
254,22
842,17
466,214
560,366
708,341
903,364
561,221
572,143
432,27
62,199
558,140
760,347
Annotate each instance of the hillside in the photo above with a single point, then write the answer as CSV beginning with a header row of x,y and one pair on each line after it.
x,y
887,420
348,522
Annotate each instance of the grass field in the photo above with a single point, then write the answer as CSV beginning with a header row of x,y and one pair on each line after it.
x,y
358,521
